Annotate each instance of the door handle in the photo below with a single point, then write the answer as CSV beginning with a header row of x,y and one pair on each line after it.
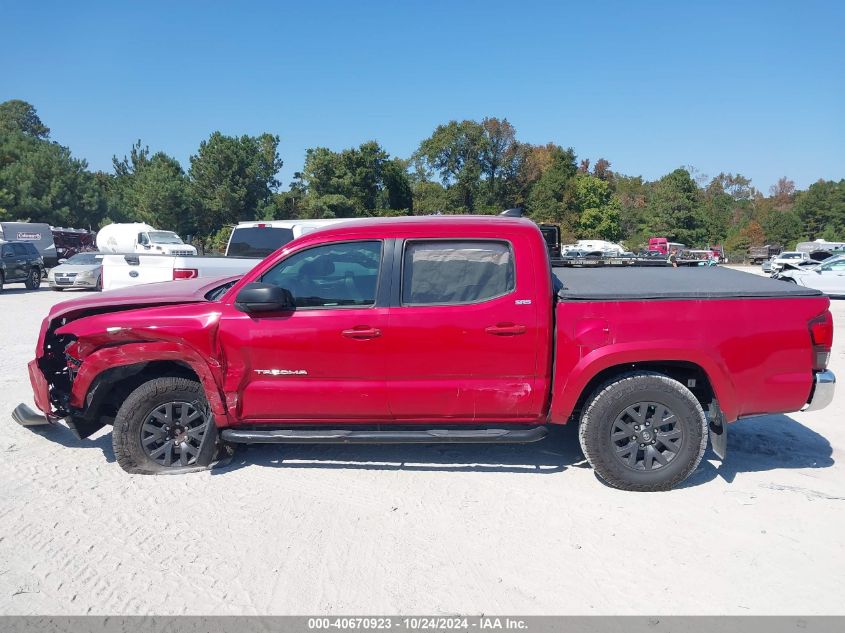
x,y
362,332
506,329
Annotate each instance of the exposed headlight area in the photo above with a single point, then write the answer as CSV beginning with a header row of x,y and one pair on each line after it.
x,y
60,364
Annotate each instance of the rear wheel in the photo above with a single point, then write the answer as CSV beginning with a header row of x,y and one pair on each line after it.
x,y
643,431
164,425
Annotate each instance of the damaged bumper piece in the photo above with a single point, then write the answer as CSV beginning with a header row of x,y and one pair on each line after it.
x,y
25,416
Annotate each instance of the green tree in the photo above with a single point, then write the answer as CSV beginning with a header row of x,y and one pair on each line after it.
x,y
152,189
552,197
41,181
20,116
365,176
783,227
233,178
822,208
430,198
455,151
155,190
598,210
675,209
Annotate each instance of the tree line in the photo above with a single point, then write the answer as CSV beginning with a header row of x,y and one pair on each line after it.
x,y
463,167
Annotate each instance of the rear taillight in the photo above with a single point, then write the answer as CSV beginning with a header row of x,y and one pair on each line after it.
x,y
821,335
185,273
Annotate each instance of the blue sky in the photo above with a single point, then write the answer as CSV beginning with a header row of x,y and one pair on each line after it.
x,y
750,87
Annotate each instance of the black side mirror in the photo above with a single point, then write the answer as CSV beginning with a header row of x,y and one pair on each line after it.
x,y
259,297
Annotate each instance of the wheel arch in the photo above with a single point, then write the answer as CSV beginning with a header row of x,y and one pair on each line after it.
x,y
705,381
107,376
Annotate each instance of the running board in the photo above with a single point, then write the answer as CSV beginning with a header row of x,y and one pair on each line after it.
x,y
427,436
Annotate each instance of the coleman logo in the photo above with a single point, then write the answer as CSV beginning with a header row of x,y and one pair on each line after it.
x,y
281,372
32,237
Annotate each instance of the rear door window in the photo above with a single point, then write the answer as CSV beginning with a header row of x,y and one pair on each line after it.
x,y
445,272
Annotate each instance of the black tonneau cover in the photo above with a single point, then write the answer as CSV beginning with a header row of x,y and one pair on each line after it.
x,y
704,282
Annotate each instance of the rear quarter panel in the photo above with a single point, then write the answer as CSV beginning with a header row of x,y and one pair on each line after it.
x,y
756,352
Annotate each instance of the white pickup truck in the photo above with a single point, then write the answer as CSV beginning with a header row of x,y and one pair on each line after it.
x,y
249,243
120,271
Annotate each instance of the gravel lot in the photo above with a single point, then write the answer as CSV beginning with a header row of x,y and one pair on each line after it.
x,y
479,529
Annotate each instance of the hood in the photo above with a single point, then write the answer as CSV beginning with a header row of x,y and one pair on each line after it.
x,y
141,296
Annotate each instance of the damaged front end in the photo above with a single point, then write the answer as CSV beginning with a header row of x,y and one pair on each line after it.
x,y
52,373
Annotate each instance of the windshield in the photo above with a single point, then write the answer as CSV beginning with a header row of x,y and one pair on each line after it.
x,y
85,258
790,255
165,237
254,241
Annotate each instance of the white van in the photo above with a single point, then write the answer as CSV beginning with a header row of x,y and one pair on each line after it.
x,y
260,238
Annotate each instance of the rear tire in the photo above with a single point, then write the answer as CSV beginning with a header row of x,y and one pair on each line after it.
x,y
165,425
643,432
33,279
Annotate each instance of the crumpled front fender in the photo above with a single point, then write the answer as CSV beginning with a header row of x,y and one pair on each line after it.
x,y
144,352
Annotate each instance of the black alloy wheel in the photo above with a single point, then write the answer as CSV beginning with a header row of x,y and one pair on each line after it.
x,y
646,436
173,434
165,425
33,279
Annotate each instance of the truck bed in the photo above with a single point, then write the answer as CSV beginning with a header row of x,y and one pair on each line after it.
x,y
634,283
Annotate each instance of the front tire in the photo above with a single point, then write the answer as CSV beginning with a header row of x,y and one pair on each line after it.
x,y
643,432
165,425
33,279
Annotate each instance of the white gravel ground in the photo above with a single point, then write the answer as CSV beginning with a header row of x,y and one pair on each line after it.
x,y
524,529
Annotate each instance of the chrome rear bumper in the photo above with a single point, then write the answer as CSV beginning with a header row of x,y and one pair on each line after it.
x,y
823,388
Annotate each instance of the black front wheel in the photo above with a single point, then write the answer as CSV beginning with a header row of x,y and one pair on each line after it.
x,y
165,425
33,279
643,431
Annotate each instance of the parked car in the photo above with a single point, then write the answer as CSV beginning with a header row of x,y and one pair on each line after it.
x,y
83,270
434,330
827,276
766,266
20,262
792,258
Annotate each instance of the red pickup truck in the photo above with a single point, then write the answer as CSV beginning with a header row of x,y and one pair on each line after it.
x,y
434,330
